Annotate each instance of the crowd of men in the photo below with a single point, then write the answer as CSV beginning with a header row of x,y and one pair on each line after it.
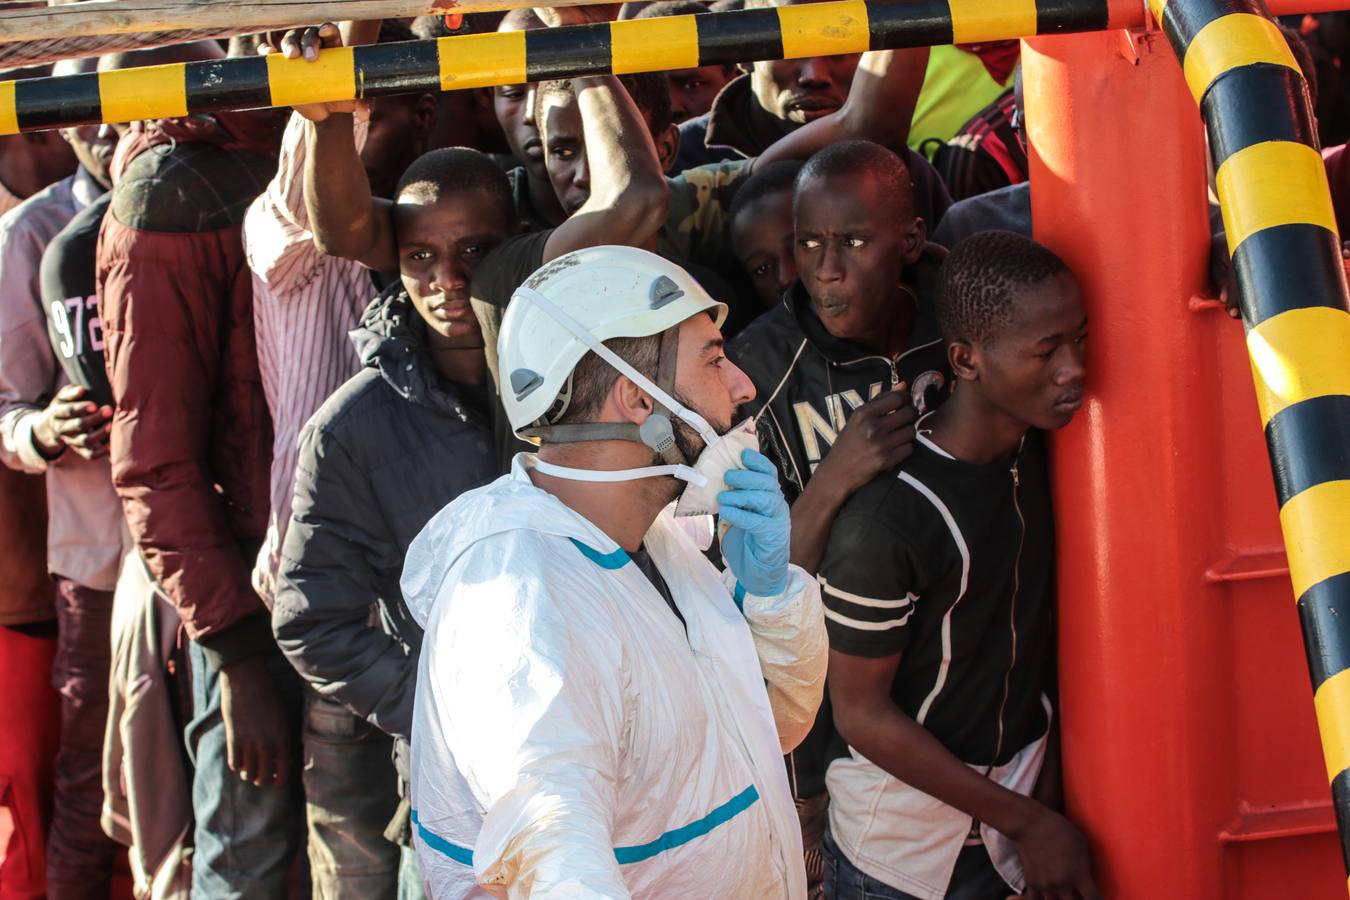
x,y
261,403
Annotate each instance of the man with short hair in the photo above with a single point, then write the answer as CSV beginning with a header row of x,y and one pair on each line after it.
x,y
30,710
693,90
537,206
840,364
939,591
402,438
777,97
417,399
191,453
854,334
52,426
305,304
580,648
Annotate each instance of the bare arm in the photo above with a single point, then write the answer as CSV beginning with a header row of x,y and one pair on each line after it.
x,y
347,220
860,690
629,199
812,515
1053,852
879,436
879,108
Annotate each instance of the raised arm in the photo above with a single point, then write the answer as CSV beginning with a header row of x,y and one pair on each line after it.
x,y
879,108
781,603
628,200
879,436
346,219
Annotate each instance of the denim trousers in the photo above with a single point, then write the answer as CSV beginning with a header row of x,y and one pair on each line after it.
x,y
974,878
339,806
246,837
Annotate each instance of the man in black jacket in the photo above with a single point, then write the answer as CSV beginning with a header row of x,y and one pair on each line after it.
x,y
855,328
401,439
853,343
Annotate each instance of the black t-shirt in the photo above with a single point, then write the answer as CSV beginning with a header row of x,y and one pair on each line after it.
x,y
951,566
529,217
70,301
643,560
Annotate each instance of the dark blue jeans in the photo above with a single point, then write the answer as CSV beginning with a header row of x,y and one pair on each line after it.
x,y
975,878
346,791
246,837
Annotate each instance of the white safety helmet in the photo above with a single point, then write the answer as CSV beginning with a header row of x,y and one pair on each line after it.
x,y
569,307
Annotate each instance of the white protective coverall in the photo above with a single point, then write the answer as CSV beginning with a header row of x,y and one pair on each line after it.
x,y
569,739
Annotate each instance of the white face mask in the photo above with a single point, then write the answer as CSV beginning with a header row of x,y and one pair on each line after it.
x,y
721,453
716,460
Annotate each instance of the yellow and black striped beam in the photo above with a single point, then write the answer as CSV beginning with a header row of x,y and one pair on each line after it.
x,y
1281,231
470,61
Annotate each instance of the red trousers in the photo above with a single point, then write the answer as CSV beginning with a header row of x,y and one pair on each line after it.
x,y
30,732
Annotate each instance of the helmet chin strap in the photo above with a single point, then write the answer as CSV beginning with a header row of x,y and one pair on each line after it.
x,y
649,434
684,473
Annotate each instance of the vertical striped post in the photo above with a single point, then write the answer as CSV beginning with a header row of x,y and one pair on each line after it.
x,y
1282,236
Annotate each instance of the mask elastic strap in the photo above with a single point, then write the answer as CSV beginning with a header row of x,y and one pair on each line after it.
x,y
684,473
599,349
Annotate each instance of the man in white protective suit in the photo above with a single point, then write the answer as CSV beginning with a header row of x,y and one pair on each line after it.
x,y
600,712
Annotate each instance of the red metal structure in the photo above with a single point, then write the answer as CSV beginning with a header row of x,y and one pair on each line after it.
x,y
1191,751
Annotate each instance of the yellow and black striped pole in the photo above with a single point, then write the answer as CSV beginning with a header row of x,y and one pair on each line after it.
x,y
469,61
1281,231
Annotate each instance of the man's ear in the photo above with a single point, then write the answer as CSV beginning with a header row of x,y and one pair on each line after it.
x,y
424,115
915,237
628,402
668,147
965,361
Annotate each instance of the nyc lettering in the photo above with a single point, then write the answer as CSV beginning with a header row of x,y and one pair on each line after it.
x,y
814,427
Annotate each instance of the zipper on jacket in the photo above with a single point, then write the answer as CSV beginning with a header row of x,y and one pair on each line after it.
x,y
889,363
1012,616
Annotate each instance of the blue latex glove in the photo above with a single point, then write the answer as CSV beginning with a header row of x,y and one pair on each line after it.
x,y
756,546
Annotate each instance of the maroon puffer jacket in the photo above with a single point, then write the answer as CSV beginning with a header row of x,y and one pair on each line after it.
x,y
191,436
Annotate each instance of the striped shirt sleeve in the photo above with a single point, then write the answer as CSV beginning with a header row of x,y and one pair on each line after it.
x,y
277,237
869,582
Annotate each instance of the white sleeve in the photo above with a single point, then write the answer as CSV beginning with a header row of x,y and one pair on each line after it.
x,y
28,367
789,633
535,720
